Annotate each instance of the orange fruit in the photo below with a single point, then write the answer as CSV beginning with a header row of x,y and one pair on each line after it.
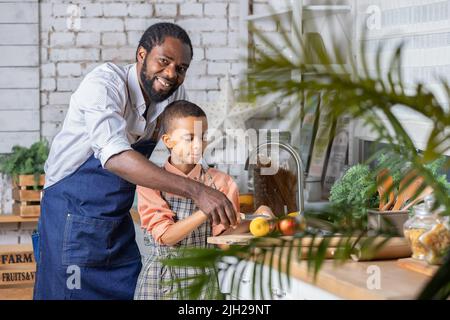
x,y
246,199
246,203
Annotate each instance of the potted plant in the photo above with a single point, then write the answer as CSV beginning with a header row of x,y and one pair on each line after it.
x,y
385,196
26,168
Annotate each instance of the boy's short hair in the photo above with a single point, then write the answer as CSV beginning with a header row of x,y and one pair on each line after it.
x,y
179,109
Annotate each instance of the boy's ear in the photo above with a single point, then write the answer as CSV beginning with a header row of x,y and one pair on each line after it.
x,y
167,140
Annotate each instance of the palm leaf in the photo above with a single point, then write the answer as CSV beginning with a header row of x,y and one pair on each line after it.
x,y
365,96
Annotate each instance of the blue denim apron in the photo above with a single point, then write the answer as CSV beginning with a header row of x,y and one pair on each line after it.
x,y
85,244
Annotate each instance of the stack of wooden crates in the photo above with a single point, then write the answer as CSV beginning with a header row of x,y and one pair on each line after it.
x,y
26,196
17,263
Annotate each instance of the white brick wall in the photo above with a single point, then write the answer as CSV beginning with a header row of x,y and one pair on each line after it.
x,y
5,194
19,74
114,39
191,9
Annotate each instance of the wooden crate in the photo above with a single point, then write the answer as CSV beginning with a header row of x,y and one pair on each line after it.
x,y
18,276
16,254
17,293
26,198
17,266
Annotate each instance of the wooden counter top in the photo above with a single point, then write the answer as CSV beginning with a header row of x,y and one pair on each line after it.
x,y
350,279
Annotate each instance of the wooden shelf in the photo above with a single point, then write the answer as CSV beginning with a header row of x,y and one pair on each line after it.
x,y
10,218
26,247
309,12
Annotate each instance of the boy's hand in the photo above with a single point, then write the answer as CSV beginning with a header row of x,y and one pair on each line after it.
x,y
215,205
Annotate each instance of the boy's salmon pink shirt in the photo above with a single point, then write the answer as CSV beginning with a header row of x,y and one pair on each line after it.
x,y
155,213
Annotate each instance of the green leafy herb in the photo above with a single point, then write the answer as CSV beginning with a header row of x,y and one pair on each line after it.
x,y
356,189
24,160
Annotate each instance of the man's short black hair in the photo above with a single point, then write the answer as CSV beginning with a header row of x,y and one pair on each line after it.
x,y
180,109
157,33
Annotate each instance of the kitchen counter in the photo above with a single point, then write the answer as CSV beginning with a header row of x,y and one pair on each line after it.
x,y
380,280
357,280
348,281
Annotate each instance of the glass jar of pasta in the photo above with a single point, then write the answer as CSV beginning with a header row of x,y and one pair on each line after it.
x,y
423,220
437,241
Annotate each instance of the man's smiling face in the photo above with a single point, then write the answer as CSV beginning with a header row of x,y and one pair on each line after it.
x,y
162,70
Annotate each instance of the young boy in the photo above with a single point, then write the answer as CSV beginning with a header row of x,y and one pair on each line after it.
x,y
171,222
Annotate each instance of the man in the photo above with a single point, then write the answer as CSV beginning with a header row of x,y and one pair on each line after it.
x,y
85,245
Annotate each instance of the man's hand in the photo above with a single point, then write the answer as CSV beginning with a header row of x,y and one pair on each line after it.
x,y
135,168
216,205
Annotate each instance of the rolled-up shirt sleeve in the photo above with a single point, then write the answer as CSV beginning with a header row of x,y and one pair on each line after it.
x,y
231,190
156,216
102,103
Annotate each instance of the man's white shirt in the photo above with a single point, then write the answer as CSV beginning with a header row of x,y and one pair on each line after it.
x,y
105,117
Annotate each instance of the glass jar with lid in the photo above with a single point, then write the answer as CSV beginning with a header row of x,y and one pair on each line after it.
x,y
423,220
437,241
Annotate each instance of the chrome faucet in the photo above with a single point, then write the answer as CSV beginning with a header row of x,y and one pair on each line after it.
x,y
298,162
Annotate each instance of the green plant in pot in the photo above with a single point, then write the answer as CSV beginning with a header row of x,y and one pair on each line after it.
x,y
26,161
357,187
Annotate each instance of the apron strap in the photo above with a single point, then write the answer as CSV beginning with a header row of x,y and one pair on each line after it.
x,y
157,131
207,176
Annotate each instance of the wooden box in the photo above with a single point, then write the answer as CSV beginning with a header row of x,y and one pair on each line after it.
x,y
387,220
17,266
26,199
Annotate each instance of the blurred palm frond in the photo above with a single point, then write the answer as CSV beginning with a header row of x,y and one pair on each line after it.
x,y
366,93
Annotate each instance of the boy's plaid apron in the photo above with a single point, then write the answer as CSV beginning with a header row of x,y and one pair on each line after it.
x,y
153,282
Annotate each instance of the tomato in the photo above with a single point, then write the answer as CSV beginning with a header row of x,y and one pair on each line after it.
x,y
288,226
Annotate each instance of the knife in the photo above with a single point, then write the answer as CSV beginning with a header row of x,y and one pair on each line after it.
x,y
250,217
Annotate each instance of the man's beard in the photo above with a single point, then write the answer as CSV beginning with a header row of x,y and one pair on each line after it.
x,y
148,87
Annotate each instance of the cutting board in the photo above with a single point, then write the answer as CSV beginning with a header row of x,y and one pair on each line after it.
x,y
396,247
417,266
244,239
